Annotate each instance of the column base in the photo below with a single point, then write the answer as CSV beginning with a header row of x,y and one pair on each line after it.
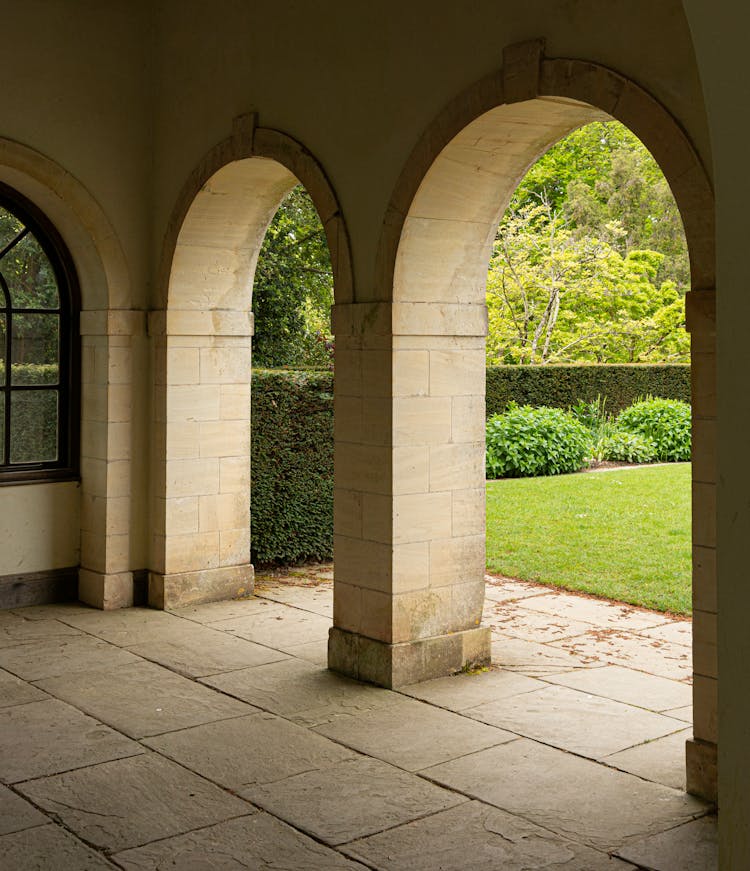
x,y
702,769
105,591
398,665
192,588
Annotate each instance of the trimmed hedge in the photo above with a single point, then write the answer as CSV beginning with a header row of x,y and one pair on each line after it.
x,y
291,466
564,386
292,439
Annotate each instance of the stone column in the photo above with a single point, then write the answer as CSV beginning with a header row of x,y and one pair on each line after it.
x,y
201,459
700,310
109,347
409,492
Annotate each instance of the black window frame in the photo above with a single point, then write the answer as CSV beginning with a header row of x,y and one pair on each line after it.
x,y
67,465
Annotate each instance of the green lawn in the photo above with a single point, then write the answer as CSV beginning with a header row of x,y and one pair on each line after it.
x,y
622,534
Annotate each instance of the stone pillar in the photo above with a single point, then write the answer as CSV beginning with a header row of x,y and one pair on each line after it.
x,y
109,340
201,459
700,310
409,493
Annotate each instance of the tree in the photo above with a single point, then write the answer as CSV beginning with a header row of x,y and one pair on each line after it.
x,y
293,288
556,296
590,261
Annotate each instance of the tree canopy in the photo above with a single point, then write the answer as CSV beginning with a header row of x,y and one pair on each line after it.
x,y
293,288
590,262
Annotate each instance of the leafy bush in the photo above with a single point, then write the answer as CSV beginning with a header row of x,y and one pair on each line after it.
x,y
564,386
625,447
292,466
665,421
526,441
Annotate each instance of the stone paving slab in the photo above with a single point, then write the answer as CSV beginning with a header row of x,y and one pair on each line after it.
x,y
634,651
18,631
685,714
674,632
144,699
198,651
692,847
462,691
17,814
126,626
14,691
537,660
600,613
48,737
575,797
519,622
213,612
477,836
580,723
316,598
278,629
49,848
260,748
129,802
662,760
413,735
52,658
314,651
498,589
256,842
351,800
306,693
631,687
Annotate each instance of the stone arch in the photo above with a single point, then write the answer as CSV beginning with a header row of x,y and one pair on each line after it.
x,y
430,313
108,328
202,336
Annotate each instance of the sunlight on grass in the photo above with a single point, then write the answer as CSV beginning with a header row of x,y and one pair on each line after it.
x,y
622,534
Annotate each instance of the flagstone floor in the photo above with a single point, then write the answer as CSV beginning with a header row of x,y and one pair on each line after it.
x,y
213,737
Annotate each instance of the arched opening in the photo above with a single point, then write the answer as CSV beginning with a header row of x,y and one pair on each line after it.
x,y
203,345
436,246
73,549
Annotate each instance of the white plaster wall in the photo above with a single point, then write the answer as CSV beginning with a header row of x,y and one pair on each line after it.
x,y
39,527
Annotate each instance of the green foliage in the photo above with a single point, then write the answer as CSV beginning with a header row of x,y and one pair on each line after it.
x,y
526,441
292,466
293,288
665,422
625,447
621,535
590,261
564,386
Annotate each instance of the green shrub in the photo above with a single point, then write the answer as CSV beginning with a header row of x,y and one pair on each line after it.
x,y
625,447
292,466
526,441
665,421
564,386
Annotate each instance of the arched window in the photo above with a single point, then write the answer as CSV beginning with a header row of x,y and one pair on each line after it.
x,y
39,356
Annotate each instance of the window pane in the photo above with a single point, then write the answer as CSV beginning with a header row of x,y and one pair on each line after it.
x,y
29,275
2,350
35,349
33,426
10,227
